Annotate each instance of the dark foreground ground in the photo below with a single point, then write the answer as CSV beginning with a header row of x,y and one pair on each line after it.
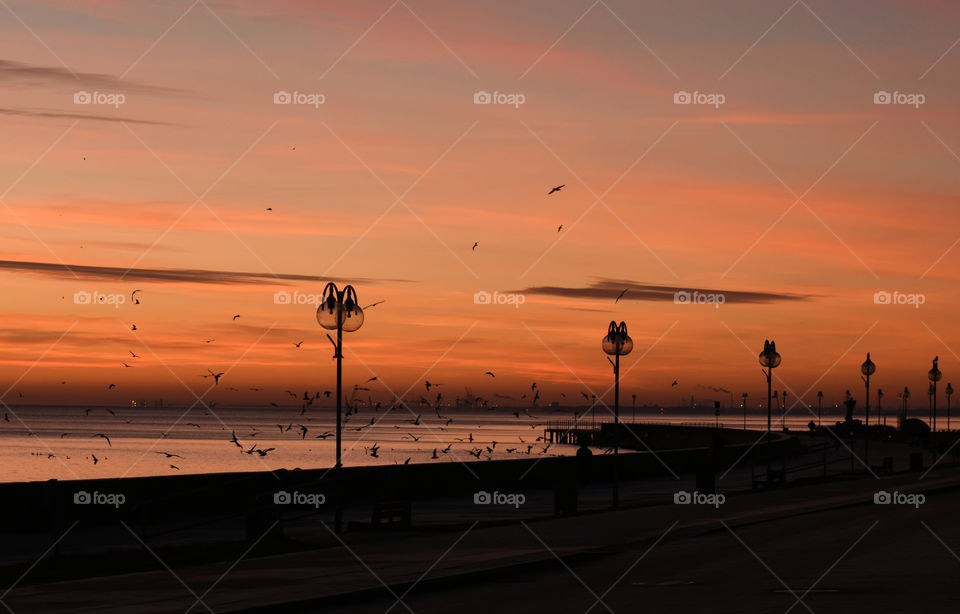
x,y
810,546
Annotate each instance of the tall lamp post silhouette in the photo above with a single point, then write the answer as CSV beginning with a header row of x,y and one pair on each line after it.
x,y
949,391
339,311
744,395
783,416
819,407
880,416
868,368
934,376
617,343
770,359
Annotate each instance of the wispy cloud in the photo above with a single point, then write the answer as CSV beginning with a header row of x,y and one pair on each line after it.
x,y
18,73
197,276
64,115
610,289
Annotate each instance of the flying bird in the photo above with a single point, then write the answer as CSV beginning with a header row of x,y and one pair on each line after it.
x,y
621,296
556,189
490,373
298,344
169,454
674,383
475,244
103,436
236,316
560,227
136,301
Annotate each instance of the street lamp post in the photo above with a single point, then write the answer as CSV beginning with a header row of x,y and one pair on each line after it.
x,y
744,411
339,311
819,408
783,416
617,343
868,368
949,391
770,359
880,417
934,376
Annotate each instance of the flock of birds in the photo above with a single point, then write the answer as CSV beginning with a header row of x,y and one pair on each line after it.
x,y
433,430
438,429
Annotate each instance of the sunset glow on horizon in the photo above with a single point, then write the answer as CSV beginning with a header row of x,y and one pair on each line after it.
x,y
802,172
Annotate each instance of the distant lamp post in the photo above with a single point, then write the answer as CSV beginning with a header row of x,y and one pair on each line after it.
x,y
906,401
339,311
949,391
934,376
819,408
868,368
783,416
770,359
744,395
617,343
880,416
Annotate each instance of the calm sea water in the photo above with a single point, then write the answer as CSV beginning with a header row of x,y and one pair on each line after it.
x,y
41,443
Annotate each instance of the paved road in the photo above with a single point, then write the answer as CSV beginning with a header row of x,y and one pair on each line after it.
x,y
798,532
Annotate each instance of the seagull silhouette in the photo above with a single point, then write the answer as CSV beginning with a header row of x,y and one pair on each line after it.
x,y
560,227
475,244
105,437
298,344
556,189
236,316
490,373
621,296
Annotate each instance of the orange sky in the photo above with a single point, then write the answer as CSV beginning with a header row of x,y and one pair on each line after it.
x,y
797,187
